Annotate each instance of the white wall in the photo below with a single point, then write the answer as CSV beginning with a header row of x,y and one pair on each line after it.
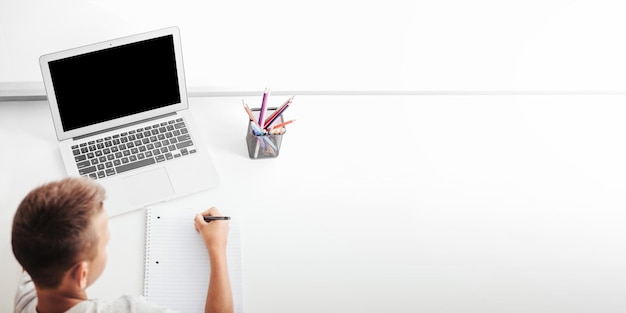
x,y
457,45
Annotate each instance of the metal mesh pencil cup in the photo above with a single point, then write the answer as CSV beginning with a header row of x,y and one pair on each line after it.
x,y
263,146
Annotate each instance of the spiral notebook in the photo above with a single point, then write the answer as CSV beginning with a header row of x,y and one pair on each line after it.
x,y
177,264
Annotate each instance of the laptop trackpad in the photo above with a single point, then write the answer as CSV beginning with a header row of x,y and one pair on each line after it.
x,y
148,187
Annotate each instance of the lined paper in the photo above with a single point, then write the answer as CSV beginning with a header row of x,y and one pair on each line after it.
x,y
177,266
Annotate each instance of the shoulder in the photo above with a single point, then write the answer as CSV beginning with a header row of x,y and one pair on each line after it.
x,y
124,304
26,296
136,304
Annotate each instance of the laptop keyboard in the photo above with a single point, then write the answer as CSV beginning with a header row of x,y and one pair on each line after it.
x,y
133,149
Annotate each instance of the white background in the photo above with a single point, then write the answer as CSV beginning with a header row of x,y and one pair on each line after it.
x,y
474,204
449,45
494,203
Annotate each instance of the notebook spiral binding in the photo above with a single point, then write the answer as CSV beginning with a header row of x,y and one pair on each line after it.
x,y
147,260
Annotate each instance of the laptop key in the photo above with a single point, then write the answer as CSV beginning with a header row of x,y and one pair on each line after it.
x,y
83,164
134,165
184,137
86,170
128,151
184,144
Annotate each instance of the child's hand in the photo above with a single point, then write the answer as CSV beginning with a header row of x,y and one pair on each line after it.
x,y
214,233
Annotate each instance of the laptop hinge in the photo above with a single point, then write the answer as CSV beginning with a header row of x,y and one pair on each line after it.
x,y
123,126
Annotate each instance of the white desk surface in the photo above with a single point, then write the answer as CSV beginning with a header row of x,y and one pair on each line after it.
x,y
390,203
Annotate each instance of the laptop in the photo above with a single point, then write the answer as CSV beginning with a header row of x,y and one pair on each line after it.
x,y
121,116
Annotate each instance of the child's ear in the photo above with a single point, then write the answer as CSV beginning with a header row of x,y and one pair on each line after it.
x,y
79,274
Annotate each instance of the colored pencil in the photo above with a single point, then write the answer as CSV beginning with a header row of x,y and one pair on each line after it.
x,y
266,95
281,124
268,122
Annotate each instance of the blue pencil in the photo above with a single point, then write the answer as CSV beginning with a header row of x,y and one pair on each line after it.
x,y
256,130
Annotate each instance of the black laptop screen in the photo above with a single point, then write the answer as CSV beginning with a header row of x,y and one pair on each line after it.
x,y
115,82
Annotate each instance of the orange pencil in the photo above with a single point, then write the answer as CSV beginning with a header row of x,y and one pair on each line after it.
x,y
282,124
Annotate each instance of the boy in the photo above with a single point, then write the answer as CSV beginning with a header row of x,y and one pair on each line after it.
x,y
59,236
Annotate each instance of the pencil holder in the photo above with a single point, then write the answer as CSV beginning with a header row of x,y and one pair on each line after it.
x,y
266,145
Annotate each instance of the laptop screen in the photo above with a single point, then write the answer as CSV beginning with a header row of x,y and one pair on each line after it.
x,y
111,83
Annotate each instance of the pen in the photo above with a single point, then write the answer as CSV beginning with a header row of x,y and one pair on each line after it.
x,y
259,133
268,150
278,112
270,143
261,140
257,130
266,95
256,149
209,218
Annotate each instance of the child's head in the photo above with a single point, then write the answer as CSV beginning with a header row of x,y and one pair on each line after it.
x,y
61,228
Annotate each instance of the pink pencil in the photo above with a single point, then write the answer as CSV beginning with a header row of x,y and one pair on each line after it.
x,y
245,106
266,95
268,122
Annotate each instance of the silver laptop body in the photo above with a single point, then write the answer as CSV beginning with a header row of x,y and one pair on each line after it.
x,y
121,116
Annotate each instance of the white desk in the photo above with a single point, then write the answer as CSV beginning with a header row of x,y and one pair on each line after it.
x,y
392,204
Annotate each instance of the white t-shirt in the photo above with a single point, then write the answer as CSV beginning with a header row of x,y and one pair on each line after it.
x,y
26,302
